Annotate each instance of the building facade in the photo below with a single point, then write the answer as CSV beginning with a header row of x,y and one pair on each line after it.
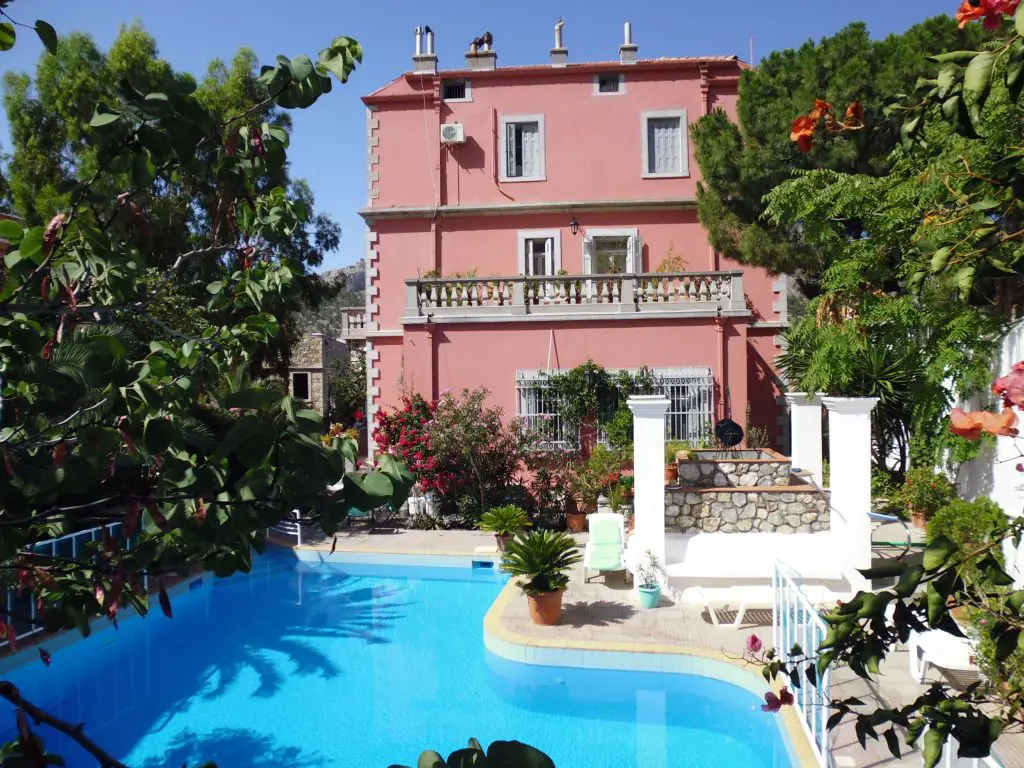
x,y
527,219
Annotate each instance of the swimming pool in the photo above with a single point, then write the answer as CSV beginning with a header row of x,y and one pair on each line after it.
x,y
363,666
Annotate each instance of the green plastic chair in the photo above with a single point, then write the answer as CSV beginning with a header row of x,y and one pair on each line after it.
x,y
606,549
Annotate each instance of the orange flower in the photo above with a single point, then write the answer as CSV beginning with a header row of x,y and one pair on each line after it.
x,y
1011,386
971,424
821,108
802,131
969,11
854,114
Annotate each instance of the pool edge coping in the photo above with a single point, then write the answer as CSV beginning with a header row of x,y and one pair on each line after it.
x,y
494,629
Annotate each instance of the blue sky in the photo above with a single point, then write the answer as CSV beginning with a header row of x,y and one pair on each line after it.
x,y
328,144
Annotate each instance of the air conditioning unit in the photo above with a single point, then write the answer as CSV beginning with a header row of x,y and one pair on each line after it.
x,y
453,133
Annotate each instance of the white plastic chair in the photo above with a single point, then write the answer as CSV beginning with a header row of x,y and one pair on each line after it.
x,y
939,649
603,553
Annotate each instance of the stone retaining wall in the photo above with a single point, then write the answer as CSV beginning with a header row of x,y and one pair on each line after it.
x,y
792,509
733,474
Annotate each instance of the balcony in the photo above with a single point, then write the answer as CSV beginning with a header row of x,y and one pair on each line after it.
x,y
656,295
353,324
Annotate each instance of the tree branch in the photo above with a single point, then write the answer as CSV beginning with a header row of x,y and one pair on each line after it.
x,y
76,732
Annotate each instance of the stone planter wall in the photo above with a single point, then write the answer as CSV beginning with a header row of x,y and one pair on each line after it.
x,y
782,509
742,472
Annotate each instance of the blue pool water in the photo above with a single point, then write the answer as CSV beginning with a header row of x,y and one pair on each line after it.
x,y
314,666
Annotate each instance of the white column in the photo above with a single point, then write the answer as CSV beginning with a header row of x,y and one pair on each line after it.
x,y
805,432
648,475
849,448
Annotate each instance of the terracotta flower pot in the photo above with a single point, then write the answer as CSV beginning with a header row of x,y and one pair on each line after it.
x,y
545,608
502,542
918,519
577,521
671,474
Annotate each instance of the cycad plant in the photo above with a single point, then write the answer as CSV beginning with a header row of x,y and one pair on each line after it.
x,y
541,561
505,521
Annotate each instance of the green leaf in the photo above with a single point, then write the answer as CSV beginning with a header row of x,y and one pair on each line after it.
x,y
47,35
369,491
429,759
947,78
239,433
301,67
1007,643
215,287
933,741
103,117
11,231
31,247
909,581
884,570
7,36
892,740
158,434
978,82
256,448
964,279
936,605
953,56
1018,20
940,259
938,553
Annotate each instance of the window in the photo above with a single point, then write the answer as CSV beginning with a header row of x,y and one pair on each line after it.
x,y
690,414
300,386
540,252
611,251
609,84
457,90
665,146
522,148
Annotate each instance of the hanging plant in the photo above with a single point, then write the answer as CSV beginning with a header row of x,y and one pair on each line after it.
x,y
581,392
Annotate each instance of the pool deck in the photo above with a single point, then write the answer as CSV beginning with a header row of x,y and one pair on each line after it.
x,y
603,615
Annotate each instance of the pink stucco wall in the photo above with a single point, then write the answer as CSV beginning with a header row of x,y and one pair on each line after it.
x,y
593,153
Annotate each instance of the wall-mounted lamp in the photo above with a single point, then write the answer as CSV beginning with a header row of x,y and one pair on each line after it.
x,y
574,226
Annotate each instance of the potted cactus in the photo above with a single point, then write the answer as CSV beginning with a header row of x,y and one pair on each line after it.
x,y
504,522
540,562
649,586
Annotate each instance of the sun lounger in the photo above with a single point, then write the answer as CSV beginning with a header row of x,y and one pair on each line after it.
x,y
606,548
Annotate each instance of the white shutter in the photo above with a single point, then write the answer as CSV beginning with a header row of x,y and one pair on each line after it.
x,y
588,255
549,256
531,150
634,254
510,150
663,141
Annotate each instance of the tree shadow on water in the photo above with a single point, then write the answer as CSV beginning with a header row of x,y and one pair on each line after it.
x,y
231,747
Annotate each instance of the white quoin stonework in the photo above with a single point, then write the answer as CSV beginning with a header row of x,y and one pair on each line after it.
x,y
849,444
648,476
805,433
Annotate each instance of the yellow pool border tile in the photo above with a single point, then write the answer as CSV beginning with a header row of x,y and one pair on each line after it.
x,y
495,629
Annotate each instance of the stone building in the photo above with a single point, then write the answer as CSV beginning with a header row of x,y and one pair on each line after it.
x,y
311,360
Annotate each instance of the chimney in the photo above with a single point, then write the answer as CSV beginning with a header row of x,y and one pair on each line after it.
x,y
559,54
628,49
424,60
480,54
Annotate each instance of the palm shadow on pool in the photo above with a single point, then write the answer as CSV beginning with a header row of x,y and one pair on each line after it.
x,y
233,747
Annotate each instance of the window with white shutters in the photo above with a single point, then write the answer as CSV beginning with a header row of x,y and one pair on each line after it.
x,y
540,252
665,150
523,149
611,250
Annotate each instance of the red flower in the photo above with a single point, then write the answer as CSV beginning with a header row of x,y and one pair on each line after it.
x,y
1011,386
786,697
990,11
358,415
802,132
754,644
774,703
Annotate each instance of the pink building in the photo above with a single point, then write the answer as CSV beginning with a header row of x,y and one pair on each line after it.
x,y
523,219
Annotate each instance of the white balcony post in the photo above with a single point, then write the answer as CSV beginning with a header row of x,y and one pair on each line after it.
x,y
412,299
648,477
805,433
849,443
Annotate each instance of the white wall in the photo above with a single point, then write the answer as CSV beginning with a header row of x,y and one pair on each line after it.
x,y
994,473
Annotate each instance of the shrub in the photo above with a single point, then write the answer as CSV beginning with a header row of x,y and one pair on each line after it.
x,y
969,524
541,561
925,492
620,430
406,433
672,447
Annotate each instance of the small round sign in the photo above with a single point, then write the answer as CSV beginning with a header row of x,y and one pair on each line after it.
x,y
729,433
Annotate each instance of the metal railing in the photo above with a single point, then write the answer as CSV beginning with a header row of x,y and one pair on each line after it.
x,y
290,526
22,606
615,294
690,414
796,621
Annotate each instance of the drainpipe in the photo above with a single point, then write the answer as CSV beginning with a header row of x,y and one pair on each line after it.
x,y
722,371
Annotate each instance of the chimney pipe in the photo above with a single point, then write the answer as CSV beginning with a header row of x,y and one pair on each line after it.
x,y
424,60
559,54
628,49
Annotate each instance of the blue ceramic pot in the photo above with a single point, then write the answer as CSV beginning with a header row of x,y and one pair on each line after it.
x,y
649,596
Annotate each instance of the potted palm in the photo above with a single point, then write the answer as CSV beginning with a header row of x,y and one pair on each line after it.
x,y
540,562
504,522
583,501
649,586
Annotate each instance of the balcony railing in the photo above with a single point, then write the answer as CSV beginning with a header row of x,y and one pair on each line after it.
x,y
656,294
353,323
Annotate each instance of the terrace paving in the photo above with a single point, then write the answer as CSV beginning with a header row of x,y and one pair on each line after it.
x,y
604,613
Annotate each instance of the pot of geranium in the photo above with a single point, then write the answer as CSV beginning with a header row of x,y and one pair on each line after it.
x,y
504,522
540,562
649,586
924,492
